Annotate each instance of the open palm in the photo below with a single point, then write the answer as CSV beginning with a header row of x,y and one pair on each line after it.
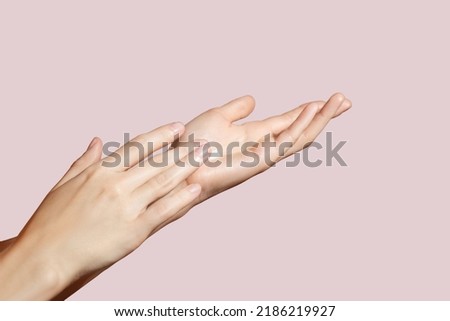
x,y
300,126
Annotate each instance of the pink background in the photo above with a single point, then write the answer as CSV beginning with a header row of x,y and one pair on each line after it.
x,y
378,229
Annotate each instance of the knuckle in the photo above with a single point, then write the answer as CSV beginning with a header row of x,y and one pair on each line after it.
x,y
163,208
115,190
288,137
289,118
162,180
112,191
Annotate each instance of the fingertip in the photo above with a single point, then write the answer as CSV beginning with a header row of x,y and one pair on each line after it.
x,y
238,108
250,99
98,148
92,143
338,96
94,148
177,128
346,104
340,111
97,140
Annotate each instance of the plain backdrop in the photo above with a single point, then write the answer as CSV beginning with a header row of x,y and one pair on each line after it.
x,y
377,229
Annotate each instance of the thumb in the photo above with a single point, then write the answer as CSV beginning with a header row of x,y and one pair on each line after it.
x,y
238,108
92,154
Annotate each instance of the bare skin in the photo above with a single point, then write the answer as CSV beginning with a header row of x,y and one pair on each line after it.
x,y
299,127
94,218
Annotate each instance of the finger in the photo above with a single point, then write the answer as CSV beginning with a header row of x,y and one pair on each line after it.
x,y
238,108
143,145
155,164
92,155
168,206
346,105
287,138
162,183
271,151
180,213
320,121
297,128
276,124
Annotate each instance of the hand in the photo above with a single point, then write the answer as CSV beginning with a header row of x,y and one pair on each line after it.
x,y
217,125
96,216
301,126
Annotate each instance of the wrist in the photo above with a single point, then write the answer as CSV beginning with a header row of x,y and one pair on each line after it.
x,y
26,274
5,244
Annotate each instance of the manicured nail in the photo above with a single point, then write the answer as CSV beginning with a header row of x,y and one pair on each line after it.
x,y
194,188
177,128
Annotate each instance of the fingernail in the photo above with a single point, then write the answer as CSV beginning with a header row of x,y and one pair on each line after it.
x,y
194,188
199,153
346,104
177,128
92,143
343,108
314,107
340,97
